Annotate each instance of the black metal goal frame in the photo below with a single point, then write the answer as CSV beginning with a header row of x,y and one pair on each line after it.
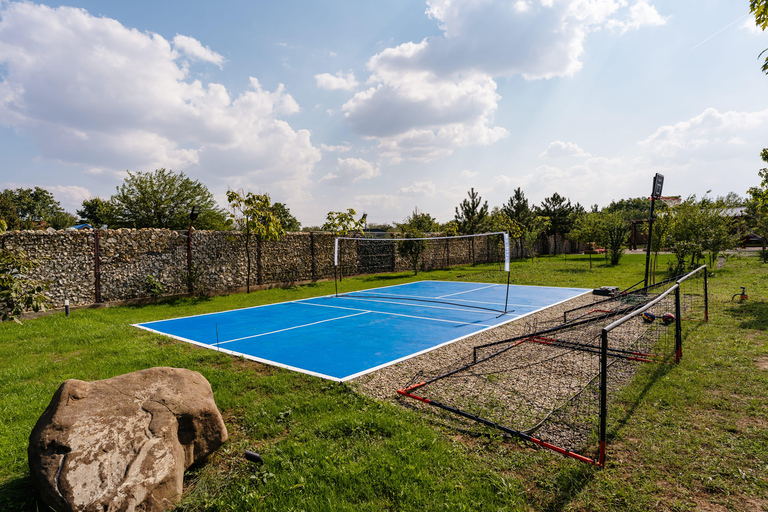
x,y
608,355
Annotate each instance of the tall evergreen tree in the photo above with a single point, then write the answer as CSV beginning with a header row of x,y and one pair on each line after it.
x,y
471,217
559,211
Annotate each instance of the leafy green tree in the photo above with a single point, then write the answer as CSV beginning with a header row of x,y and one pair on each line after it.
x,y
537,226
97,212
760,9
33,206
559,211
589,229
254,214
420,221
8,213
164,199
343,223
616,232
757,207
472,217
3,226
61,220
450,228
18,292
412,246
287,221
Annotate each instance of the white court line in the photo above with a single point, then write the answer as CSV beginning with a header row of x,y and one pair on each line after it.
x,y
468,291
398,314
411,304
294,327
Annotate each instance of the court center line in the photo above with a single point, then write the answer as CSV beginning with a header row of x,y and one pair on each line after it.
x,y
411,304
352,295
468,291
295,327
398,314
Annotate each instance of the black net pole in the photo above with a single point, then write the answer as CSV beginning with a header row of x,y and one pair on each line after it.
x,y
648,242
678,327
603,397
506,301
706,297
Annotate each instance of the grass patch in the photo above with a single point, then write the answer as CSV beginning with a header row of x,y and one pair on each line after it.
x,y
691,437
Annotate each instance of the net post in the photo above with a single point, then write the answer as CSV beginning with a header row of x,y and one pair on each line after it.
x,y
678,327
603,396
506,300
706,296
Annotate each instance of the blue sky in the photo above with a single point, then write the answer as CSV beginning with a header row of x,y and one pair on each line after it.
x,y
384,106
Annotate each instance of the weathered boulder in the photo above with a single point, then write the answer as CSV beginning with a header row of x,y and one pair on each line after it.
x,y
122,444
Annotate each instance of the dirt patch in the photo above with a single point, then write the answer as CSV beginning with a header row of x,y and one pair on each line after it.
x,y
762,363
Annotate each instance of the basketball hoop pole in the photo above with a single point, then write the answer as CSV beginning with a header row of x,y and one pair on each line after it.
x,y
658,183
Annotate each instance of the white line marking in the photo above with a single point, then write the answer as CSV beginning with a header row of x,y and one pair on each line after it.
x,y
398,314
290,328
468,291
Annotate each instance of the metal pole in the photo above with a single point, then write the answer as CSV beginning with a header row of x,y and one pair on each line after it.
x,y
706,296
96,267
189,259
648,242
678,327
603,397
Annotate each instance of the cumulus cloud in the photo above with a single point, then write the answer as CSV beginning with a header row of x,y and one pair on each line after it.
x,y
350,170
94,93
427,98
345,82
195,50
467,174
419,187
559,149
711,134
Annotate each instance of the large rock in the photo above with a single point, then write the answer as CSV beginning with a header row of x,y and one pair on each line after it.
x,y
122,444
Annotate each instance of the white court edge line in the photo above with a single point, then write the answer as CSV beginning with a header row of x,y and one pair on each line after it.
x,y
246,356
400,314
354,375
405,358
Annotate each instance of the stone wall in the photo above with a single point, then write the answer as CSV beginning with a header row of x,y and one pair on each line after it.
x,y
219,260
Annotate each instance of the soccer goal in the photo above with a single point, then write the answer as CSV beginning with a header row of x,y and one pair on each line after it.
x,y
557,387
356,256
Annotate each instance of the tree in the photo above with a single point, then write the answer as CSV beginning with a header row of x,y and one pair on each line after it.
x,y
412,246
589,229
758,204
473,217
61,220
19,293
615,234
533,232
163,199
254,214
420,221
343,223
760,9
8,213
519,211
287,221
559,211
97,212
33,206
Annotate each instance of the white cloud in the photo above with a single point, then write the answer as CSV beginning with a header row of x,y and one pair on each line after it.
x,y
345,82
350,170
94,93
559,149
750,26
710,134
192,48
428,98
340,148
71,197
419,187
467,174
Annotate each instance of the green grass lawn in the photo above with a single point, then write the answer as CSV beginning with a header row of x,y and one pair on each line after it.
x,y
695,436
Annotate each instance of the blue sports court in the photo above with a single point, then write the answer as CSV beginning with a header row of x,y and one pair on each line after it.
x,y
346,336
